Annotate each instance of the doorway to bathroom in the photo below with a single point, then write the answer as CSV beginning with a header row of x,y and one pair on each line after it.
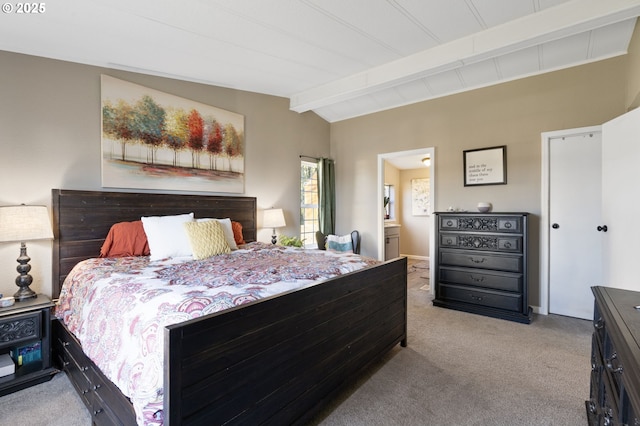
x,y
406,196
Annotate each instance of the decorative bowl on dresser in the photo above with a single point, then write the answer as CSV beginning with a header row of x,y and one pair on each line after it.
x,y
481,264
615,358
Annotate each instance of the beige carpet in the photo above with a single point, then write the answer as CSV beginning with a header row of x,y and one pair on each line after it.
x,y
53,403
466,369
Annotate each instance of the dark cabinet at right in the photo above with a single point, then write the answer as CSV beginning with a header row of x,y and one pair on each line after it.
x,y
615,358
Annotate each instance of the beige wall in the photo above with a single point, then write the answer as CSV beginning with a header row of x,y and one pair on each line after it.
x,y
633,71
512,114
414,233
50,138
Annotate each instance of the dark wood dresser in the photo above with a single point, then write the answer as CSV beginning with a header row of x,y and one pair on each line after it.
x,y
481,264
615,358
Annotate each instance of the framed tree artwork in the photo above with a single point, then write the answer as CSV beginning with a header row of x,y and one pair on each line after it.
x,y
155,140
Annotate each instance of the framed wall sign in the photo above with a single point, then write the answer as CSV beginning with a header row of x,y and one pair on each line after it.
x,y
485,166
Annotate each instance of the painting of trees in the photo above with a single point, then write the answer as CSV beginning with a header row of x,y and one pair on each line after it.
x,y
147,137
214,143
196,134
232,142
149,123
119,123
176,132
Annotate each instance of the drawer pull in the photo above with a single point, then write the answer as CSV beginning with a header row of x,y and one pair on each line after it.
x,y
507,244
508,225
609,363
96,387
608,416
98,411
478,280
614,370
478,298
449,241
449,223
84,391
474,260
84,368
65,344
599,324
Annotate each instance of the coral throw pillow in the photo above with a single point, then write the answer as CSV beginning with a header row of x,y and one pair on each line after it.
x,y
237,232
125,239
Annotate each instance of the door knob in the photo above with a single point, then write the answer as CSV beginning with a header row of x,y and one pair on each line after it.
x,y
555,226
602,228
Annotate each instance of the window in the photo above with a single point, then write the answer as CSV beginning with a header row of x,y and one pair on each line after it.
x,y
389,200
308,203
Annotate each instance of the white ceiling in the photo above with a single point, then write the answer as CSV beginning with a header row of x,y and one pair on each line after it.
x,y
406,162
339,58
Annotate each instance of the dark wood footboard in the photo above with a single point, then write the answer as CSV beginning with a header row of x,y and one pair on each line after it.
x,y
279,360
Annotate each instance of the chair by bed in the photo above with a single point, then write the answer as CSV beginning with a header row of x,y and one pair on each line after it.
x,y
325,334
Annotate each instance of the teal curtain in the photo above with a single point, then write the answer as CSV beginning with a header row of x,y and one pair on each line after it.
x,y
327,196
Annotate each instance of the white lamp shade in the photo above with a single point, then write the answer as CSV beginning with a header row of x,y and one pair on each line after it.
x,y
24,223
273,218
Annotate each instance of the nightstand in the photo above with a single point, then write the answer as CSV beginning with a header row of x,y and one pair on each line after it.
x,y
23,324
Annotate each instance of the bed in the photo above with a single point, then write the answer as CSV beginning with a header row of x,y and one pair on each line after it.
x,y
277,360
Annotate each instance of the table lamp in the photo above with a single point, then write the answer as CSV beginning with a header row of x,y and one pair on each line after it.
x,y
24,223
273,218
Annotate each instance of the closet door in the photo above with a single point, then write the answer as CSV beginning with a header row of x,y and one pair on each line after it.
x,y
575,245
621,200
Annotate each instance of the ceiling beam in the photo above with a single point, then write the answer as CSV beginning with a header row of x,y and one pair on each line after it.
x,y
566,19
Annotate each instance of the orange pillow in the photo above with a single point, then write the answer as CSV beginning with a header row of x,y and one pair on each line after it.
x,y
125,239
237,232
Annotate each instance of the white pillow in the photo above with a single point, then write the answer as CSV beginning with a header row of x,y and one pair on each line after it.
x,y
166,235
228,231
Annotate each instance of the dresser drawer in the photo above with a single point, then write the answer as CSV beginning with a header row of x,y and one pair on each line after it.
x,y
511,263
478,296
20,328
478,223
612,364
102,414
610,398
480,278
77,375
503,243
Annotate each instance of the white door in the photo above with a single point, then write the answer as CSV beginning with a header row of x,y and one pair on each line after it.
x,y
575,244
621,200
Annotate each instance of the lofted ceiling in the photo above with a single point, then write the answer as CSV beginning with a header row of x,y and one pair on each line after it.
x,y
338,58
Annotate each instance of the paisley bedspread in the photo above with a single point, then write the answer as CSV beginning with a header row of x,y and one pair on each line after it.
x,y
118,307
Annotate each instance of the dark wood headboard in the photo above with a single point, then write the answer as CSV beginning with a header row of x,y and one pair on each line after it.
x,y
82,219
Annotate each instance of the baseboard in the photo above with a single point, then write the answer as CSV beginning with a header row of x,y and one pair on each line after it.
x,y
415,257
